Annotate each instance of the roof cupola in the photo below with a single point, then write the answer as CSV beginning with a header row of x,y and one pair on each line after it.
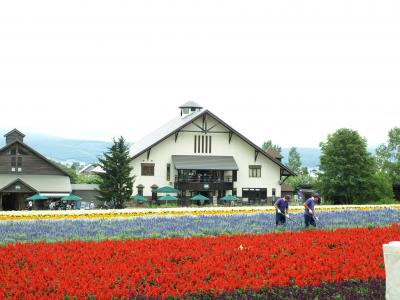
x,y
14,135
189,107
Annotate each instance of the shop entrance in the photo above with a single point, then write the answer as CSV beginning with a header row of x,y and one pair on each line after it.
x,y
10,201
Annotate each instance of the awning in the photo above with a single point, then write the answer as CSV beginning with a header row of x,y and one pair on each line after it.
x,y
204,162
54,195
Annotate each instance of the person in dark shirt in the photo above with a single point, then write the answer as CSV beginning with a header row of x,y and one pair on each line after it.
x,y
282,207
309,210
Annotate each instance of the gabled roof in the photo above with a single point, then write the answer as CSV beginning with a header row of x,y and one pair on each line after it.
x,y
162,133
179,123
16,131
271,151
14,182
40,183
34,152
190,104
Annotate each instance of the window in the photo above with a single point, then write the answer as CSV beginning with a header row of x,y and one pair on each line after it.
x,y
254,194
168,172
198,144
202,144
13,151
147,169
19,163
13,163
254,171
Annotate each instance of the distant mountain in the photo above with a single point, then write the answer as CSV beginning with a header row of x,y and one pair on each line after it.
x,y
310,156
86,151
66,150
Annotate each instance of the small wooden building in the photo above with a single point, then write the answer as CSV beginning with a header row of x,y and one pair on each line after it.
x,y
25,172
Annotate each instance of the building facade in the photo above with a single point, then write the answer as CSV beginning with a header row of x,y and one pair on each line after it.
x,y
25,172
197,152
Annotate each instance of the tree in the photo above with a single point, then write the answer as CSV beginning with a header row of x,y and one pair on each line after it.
x,y
268,144
381,187
388,156
116,183
302,179
346,167
294,161
69,170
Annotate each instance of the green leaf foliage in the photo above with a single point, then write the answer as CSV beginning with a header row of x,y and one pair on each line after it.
x,y
347,169
294,162
116,183
269,144
388,156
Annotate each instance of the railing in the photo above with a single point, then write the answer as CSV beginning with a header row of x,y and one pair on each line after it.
x,y
203,179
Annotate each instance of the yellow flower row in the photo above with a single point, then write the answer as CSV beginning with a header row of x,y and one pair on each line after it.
x,y
43,215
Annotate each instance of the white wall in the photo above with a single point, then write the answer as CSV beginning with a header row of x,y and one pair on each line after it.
x,y
242,152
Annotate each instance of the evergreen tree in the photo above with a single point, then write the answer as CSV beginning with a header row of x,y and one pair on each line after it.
x,y
346,167
268,144
294,161
116,183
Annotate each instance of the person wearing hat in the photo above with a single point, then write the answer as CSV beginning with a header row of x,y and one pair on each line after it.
x,y
282,207
309,212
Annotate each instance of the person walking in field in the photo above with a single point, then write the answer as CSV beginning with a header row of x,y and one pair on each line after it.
x,y
309,210
282,208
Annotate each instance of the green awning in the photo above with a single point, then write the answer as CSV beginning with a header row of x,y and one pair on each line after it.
x,y
229,198
138,197
71,197
168,197
199,197
166,189
37,197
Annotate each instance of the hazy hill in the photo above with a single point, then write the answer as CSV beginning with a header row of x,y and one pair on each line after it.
x,y
309,156
64,150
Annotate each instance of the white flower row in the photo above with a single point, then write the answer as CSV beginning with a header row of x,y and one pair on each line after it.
x,y
178,210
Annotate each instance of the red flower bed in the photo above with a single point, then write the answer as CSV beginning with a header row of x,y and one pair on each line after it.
x,y
162,267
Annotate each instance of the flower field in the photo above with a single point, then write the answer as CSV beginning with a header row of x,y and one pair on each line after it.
x,y
181,267
197,256
181,226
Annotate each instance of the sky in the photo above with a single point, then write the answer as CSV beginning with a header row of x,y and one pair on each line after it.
x,y
292,71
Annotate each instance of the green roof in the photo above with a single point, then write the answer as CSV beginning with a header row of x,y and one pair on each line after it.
x,y
168,197
37,197
229,198
71,197
138,197
199,197
166,189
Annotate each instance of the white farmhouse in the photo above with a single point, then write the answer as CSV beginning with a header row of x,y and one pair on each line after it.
x,y
197,152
